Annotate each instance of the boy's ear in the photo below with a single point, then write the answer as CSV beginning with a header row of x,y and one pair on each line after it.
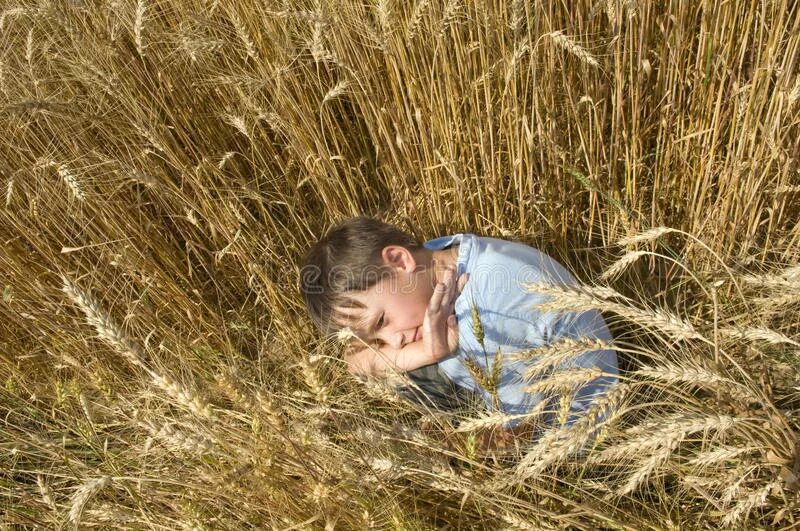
x,y
398,257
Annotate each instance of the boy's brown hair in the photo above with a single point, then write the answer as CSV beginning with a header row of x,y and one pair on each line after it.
x,y
346,259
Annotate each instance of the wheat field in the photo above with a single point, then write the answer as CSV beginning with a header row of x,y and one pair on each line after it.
x,y
164,165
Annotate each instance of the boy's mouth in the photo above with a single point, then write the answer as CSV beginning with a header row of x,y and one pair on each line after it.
x,y
418,334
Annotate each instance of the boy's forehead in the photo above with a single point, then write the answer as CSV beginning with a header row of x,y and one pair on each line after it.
x,y
353,314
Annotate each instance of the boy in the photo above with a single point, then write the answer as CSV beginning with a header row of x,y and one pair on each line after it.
x,y
405,305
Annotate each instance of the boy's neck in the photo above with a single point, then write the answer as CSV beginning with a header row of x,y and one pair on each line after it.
x,y
438,260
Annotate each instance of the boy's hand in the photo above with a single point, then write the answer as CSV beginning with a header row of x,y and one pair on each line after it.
x,y
439,328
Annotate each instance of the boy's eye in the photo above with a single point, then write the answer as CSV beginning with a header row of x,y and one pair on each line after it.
x,y
380,322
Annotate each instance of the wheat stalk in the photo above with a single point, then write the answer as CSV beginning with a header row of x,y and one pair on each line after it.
x,y
83,494
573,48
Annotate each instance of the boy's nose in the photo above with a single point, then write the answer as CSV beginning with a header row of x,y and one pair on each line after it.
x,y
394,339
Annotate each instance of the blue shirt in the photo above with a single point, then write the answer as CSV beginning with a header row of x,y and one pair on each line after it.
x,y
497,268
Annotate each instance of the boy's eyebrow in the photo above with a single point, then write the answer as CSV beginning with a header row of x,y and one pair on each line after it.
x,y
363,325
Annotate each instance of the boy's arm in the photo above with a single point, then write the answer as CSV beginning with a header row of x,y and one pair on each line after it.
x,y
376,361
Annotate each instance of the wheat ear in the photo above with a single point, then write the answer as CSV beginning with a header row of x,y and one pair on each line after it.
x,y
558,443
138,27
107,329
416,18
244,35
747,504
556,354
651,435
723,453
759,334
176,439
71,181
573,48
622,264
83,495
45,492
9,191
586,297
646,236
695,374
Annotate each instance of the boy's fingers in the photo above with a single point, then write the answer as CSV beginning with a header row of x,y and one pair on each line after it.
x,y
438,294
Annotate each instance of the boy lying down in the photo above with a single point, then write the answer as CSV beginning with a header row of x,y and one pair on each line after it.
x,y
441,311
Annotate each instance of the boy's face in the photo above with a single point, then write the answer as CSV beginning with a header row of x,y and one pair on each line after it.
x,y
394,308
